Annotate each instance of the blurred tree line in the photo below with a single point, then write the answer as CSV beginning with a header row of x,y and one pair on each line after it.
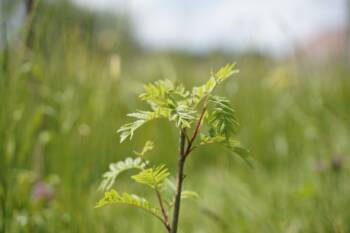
x,y
39,25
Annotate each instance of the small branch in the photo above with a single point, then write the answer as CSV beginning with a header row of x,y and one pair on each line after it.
x,y
165,215
196,131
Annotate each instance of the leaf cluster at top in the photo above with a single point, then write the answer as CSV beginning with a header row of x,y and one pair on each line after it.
x,y
172,101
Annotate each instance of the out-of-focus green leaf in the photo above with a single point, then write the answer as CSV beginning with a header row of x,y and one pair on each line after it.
x,y
232,144
187,194
149,145
115,169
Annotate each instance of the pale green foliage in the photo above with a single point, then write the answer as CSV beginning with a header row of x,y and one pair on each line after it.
x,y
202,92
163,92
142,117
172,101
163,96
152,177
232,144
113,197
155,178
206,139
115,169
225,72
149,145
187,194
182,115
222,118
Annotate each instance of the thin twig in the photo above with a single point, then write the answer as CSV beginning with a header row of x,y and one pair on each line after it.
x,y
165,215
196,131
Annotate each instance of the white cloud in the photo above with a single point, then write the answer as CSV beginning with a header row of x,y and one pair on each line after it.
x,y
269,25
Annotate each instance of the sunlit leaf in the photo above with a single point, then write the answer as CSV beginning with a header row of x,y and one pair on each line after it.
x,y
152,177
201,92
163,92
113,197
182,115
115,169
127,130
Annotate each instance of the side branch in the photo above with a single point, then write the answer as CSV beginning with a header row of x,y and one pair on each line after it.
x,y
165,215
196,131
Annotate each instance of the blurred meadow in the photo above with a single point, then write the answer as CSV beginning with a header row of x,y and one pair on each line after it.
x,y
70,74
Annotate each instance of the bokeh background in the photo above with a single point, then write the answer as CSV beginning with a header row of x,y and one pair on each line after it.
x,y
71,70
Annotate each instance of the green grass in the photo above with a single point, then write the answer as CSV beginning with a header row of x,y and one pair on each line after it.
x,y
60,109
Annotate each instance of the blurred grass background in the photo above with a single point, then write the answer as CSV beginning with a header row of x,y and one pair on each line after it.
x,y
66,84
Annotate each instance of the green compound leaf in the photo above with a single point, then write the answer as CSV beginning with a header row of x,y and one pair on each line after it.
x,y
163,92
201,92
187,194
149,145
167,101
127,130
115,169
182,115
222,119
225,72
232,144
152,177
113,197
170,98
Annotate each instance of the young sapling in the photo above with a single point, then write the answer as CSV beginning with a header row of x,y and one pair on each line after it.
x,y
188,111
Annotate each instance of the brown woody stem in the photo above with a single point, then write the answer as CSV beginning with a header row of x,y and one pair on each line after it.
x,y
180,178
183,153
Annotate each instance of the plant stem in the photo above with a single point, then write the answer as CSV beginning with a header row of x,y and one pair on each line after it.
x,y
165,215
180,178
183,153
195,133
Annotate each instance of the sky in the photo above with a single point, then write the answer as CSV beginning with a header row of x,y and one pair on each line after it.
x,y
271,26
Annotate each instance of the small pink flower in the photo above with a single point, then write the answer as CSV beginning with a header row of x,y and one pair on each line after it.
x,y
43,191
